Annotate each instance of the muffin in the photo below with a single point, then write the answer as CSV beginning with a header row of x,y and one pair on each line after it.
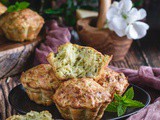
x,y
33,115
82,99
2,8
74,61
114,81
40,84
21,25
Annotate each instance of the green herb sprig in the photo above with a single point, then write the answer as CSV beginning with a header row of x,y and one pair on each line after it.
x,y
121,103
18,6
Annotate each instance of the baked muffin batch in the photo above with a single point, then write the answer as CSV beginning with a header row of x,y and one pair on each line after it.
x,y
77,80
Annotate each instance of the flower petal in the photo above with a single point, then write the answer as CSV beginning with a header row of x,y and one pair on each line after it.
x,y
142,14
118,24
137,30
120,33
115,4
133,15
111,13
125,5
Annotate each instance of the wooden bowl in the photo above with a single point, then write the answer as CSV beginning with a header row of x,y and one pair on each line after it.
x,y
102,40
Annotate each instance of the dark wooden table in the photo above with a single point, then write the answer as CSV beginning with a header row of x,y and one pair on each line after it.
x,y
145,52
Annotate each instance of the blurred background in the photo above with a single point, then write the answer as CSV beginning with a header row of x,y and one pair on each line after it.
x,y
152,7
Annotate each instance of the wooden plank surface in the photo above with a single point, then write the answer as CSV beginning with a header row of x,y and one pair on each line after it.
x,y
144,52
14,56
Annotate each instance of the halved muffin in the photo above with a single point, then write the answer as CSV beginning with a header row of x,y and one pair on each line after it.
x,y
74,61
33,115
40,84
82,99
114,81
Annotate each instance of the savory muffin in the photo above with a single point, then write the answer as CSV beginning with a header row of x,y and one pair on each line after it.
x,y
33,115
114,81
40,84
82,99
2,8
74,61
21,25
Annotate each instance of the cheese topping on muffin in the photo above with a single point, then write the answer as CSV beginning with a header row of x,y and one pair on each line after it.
x,y
40,76
21,25
40,84
81,93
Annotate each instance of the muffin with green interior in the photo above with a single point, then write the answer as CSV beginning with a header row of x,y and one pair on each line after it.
x,y
40,84
74,61
33,115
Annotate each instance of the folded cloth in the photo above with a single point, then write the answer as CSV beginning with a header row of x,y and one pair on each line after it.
x,y
151,112
146,76
55,36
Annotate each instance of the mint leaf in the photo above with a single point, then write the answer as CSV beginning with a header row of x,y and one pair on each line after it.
x,y
11,8
121,109
111,107
18,6
23,5
129,93
133,103
117,97
120,103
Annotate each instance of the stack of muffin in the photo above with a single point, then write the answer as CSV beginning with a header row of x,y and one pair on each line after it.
x,y
77,80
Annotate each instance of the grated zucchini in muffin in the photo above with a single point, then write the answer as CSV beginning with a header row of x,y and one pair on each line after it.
x,y
74,61
33,115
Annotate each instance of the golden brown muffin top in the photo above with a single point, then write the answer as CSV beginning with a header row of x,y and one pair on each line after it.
x,y
114,81
40,76
2,9
21,23
81,93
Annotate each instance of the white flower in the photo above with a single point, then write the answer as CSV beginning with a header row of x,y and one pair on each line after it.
x,y
124,20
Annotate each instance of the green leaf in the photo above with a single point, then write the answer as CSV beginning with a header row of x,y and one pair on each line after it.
x,y
18,6
117,97
58,11
111,107
121,109
23,5
11,8
129,93
133,103
138,3
5,2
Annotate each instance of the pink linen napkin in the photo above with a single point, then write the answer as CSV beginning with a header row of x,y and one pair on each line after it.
x,y
151,112
145,76
55,36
